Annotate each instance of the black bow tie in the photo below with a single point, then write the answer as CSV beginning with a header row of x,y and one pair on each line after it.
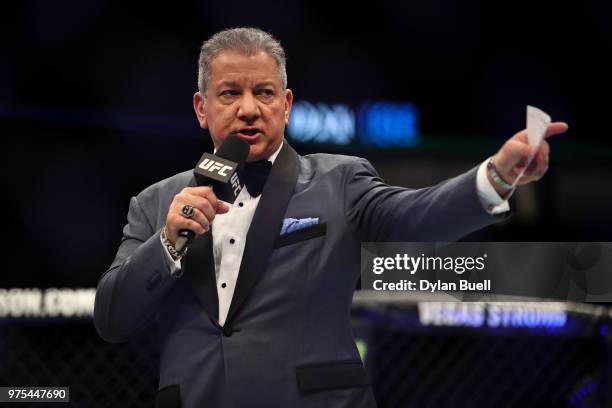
x,y
254,176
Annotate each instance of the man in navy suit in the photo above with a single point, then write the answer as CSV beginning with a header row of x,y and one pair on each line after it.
x,y
256,313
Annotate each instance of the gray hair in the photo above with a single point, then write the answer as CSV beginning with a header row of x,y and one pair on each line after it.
x,y
246,40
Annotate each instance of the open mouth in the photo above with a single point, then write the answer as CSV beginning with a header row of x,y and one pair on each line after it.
x,y
249,133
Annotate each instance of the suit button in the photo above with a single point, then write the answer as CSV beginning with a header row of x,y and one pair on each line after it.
x,y
228,331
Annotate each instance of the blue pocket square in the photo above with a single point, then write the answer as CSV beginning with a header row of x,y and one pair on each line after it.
x,y
295,224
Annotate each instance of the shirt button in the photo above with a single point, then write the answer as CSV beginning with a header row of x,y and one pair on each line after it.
x,y
223,285
241,204
232,240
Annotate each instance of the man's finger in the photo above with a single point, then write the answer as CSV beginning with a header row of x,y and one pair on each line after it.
x,y
201,218
556,128
533,167
202,204
544,150
222,207
202,191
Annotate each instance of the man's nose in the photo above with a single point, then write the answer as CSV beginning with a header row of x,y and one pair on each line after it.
x,y
248,109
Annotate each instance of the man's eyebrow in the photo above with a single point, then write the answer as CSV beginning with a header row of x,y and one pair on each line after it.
x,y
231,84
234,84
264,83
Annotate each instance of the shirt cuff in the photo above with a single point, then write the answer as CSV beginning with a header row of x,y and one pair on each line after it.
x,y
490,200
173,265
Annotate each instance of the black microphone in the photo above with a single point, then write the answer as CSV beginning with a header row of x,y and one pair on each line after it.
x,y
218,171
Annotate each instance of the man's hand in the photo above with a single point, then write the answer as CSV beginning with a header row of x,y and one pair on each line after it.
x,y
513,156
205,206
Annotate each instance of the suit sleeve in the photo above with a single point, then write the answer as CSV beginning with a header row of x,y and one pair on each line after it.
x,y
444,212
129,294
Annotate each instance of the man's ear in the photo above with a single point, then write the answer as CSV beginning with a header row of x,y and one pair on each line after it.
x,y
288,105
198,105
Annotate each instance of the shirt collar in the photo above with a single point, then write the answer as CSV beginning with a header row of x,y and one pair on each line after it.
x,y
273,155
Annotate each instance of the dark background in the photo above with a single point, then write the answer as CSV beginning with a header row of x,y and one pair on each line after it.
x,y
95,105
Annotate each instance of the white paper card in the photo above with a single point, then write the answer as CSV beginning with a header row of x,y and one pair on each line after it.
x,y
537,122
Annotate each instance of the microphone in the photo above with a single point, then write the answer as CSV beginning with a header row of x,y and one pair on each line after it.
x,y
218,171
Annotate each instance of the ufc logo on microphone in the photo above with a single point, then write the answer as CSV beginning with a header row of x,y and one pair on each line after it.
x,y
236,184
216,167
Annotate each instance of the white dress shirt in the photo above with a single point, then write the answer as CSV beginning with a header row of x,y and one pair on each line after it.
x,y
229,239
230,231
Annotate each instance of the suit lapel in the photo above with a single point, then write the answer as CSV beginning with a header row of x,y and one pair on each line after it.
x,y
266,225
199,268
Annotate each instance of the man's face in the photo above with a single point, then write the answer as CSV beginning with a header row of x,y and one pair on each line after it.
x,y
245,97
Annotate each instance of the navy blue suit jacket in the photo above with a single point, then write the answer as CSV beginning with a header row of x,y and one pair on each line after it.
x,y
287,340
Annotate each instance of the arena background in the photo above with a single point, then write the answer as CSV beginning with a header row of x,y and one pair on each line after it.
x,y
95,105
